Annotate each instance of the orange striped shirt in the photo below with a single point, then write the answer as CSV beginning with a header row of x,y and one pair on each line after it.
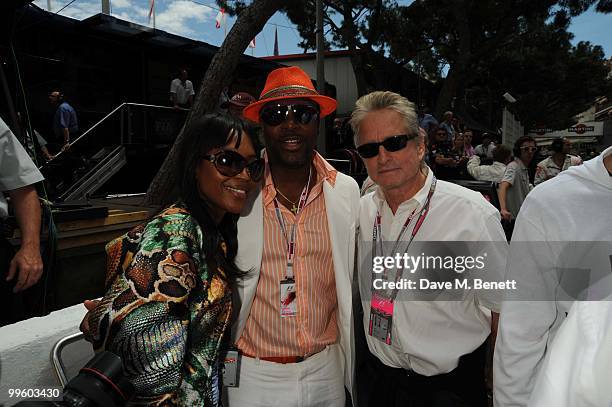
x,y
266,334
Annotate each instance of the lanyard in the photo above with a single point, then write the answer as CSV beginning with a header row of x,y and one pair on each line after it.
x,y
291,240
377,232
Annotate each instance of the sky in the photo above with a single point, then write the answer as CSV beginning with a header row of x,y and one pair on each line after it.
x,y
196,19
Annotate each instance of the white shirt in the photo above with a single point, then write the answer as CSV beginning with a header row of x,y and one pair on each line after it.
x,y
493,172
576,371
16,167
547,169
518,176
480,150
564,224
181,90
429,337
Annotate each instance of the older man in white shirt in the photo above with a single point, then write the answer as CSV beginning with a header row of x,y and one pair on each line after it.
x,y
424,353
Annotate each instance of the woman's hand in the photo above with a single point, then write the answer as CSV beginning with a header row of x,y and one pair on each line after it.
x,y
84,327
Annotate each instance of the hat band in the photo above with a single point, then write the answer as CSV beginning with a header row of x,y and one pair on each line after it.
x,y
292,90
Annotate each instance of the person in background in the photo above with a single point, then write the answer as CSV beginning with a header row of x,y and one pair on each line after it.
x,y
451,161
515,185
40,141
65,123
168,305
427,122
468,147
438,148
485,149
238,102
502,155
18,271
458,125
181,91
447,125
560,160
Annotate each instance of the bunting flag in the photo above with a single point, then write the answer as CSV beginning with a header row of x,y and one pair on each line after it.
x,y
220,19
151,9
276,41
252,43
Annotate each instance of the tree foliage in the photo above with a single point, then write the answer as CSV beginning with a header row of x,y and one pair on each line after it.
x,y
251,20
476,50
490,47
356,25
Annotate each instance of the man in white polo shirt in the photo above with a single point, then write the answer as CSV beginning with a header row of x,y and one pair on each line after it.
x,y
424,353
181,91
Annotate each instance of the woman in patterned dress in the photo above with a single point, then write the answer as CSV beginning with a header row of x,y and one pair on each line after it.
x,y
167,307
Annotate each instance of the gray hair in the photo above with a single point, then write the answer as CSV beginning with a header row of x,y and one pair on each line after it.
x,y
384,100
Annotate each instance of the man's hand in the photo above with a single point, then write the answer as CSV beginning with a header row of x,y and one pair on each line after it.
x,y
66,146
29,264
84,327
27,261
505,214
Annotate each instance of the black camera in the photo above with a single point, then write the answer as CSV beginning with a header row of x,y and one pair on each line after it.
x,y
100,383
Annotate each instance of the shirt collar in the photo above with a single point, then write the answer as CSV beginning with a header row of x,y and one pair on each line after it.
x,y
323,172
420,197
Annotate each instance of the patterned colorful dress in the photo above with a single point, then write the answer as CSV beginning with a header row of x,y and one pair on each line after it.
x,y
165,311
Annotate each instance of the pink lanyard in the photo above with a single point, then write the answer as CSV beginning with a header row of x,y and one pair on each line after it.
x,y
377,231
291,241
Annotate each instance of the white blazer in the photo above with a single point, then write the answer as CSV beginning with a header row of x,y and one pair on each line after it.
x,y
342,207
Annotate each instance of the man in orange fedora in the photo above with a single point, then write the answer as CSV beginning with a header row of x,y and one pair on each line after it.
x,y
294,327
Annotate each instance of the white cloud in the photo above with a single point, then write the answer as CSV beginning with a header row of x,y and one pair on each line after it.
x,y
81,10
182,17
176,17
78,9
115,4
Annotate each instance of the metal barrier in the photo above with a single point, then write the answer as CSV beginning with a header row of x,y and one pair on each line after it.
x,y
128,121
56,355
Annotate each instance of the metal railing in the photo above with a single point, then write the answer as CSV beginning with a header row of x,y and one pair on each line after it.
x,y
56,356
119,108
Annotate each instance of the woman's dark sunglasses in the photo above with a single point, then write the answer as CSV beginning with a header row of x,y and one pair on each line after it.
x,y
275,115
230,164
391,144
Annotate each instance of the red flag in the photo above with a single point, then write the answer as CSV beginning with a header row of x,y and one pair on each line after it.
x,y
151,9
220,19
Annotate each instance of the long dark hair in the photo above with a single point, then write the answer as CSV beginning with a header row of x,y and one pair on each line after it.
x,y
213,130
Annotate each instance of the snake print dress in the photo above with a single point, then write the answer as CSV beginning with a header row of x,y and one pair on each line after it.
x,y
165,312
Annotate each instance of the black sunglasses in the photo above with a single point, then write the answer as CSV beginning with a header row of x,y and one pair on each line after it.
x,y
530,149
230,164
275,115
391,144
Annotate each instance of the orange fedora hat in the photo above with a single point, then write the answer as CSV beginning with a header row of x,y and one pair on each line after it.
x,y
288,83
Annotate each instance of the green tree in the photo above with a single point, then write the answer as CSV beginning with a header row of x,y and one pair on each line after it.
x,y
356,25
492,46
